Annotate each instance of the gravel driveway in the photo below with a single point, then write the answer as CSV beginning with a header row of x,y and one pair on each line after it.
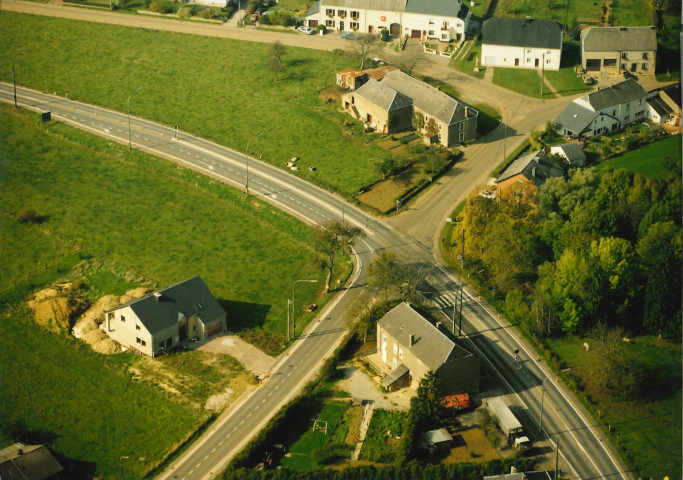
x,y
362,387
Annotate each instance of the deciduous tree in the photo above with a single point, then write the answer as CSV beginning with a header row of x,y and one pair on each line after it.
x,y
275,63
330,240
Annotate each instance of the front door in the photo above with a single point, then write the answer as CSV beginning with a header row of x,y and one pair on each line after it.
x,y
341,26
182,328
633,67
536,63
516,62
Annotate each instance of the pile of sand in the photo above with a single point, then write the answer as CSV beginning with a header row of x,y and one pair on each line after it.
x,y
87,325
54,307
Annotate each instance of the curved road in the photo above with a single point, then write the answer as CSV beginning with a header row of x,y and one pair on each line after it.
x,y
583,446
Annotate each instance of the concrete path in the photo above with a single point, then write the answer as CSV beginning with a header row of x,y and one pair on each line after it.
x,y
488,74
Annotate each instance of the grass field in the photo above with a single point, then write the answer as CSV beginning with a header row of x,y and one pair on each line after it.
x,y
526,82
649,430
217,88
162,222
470,57
85,406
647,159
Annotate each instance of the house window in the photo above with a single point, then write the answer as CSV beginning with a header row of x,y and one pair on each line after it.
x,y
431,32
624,55
341,13
462,126
528,50
644,55
354,25
547,60
444,36
628,107
143,343
123,319
400,353
638,114
354,14
609,62
444,26
431,22
462,136
137,340
439,126
137,327
329,23
161,344
643,66
330,12
439,136
395,349
627,117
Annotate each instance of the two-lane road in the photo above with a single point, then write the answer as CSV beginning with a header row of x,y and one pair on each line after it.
x,y
587,452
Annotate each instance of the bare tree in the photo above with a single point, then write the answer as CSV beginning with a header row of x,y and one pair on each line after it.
x,y
275,63
365,44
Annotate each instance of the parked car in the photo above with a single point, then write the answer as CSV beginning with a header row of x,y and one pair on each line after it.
x,y
349,35
306,30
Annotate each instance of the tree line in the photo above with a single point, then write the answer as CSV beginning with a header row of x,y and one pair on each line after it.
x,y
595,248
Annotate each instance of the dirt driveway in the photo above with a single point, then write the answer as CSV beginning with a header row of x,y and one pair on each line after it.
x,y
362,387
248,355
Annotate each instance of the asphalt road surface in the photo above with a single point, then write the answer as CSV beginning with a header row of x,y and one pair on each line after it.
x,y
583,446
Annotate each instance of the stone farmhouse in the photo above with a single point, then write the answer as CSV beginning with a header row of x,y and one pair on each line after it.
x,y
521,43
443,20
162,320
615,50
605,110
408,346
401,102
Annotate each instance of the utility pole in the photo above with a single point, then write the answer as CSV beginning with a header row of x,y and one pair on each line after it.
x,y
557,455
14,80
542,74
462,266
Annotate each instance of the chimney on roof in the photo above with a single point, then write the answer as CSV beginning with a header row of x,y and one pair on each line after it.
x,y
157,295
533,172
411,339
438,325
513,470
466,110
20,451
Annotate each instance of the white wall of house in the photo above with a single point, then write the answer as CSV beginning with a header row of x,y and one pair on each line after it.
x,y
625,113
374,21
520,57
124,326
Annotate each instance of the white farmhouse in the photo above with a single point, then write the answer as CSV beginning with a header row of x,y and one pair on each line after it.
x,y
443,20
521,43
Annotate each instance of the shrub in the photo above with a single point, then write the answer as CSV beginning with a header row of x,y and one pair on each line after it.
x,y
264,20
322,28
185,12
384,35
207,13
285,19
28,216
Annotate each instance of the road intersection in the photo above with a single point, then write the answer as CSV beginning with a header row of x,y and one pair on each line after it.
x,y
583,445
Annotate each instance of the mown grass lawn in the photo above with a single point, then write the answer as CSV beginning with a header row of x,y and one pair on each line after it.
x,y
218,88
649,429
465,60
86,407
648,159
524,81
162,222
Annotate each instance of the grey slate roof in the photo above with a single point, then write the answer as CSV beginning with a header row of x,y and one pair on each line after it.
x,y
573,152
189,297
674,93
314,9
600,39
446,8
427,98
535,166
622,92
433,437
575,118
35,463
464,10
520,32
431,346
383,96
659,106
394,375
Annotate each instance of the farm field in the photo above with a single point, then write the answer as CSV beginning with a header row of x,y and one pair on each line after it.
x,y
648,159
195,84
155,221
648,430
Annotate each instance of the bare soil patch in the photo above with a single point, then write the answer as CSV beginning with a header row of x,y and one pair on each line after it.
x,y
332,94
248,355
56,307
471,445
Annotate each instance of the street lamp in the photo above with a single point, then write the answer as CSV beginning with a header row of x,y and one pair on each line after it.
x,y
130,145
14,74
292,303
247,153
121,464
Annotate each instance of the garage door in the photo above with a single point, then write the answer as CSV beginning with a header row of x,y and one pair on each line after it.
x,y
415,33
214,330
313,23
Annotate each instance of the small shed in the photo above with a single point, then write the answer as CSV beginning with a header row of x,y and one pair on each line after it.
x,y
434,440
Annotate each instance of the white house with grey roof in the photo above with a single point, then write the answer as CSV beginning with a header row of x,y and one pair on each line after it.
x,y
605,110
571,153
409,346
521,43
163,319
454,121
615,50
443,20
